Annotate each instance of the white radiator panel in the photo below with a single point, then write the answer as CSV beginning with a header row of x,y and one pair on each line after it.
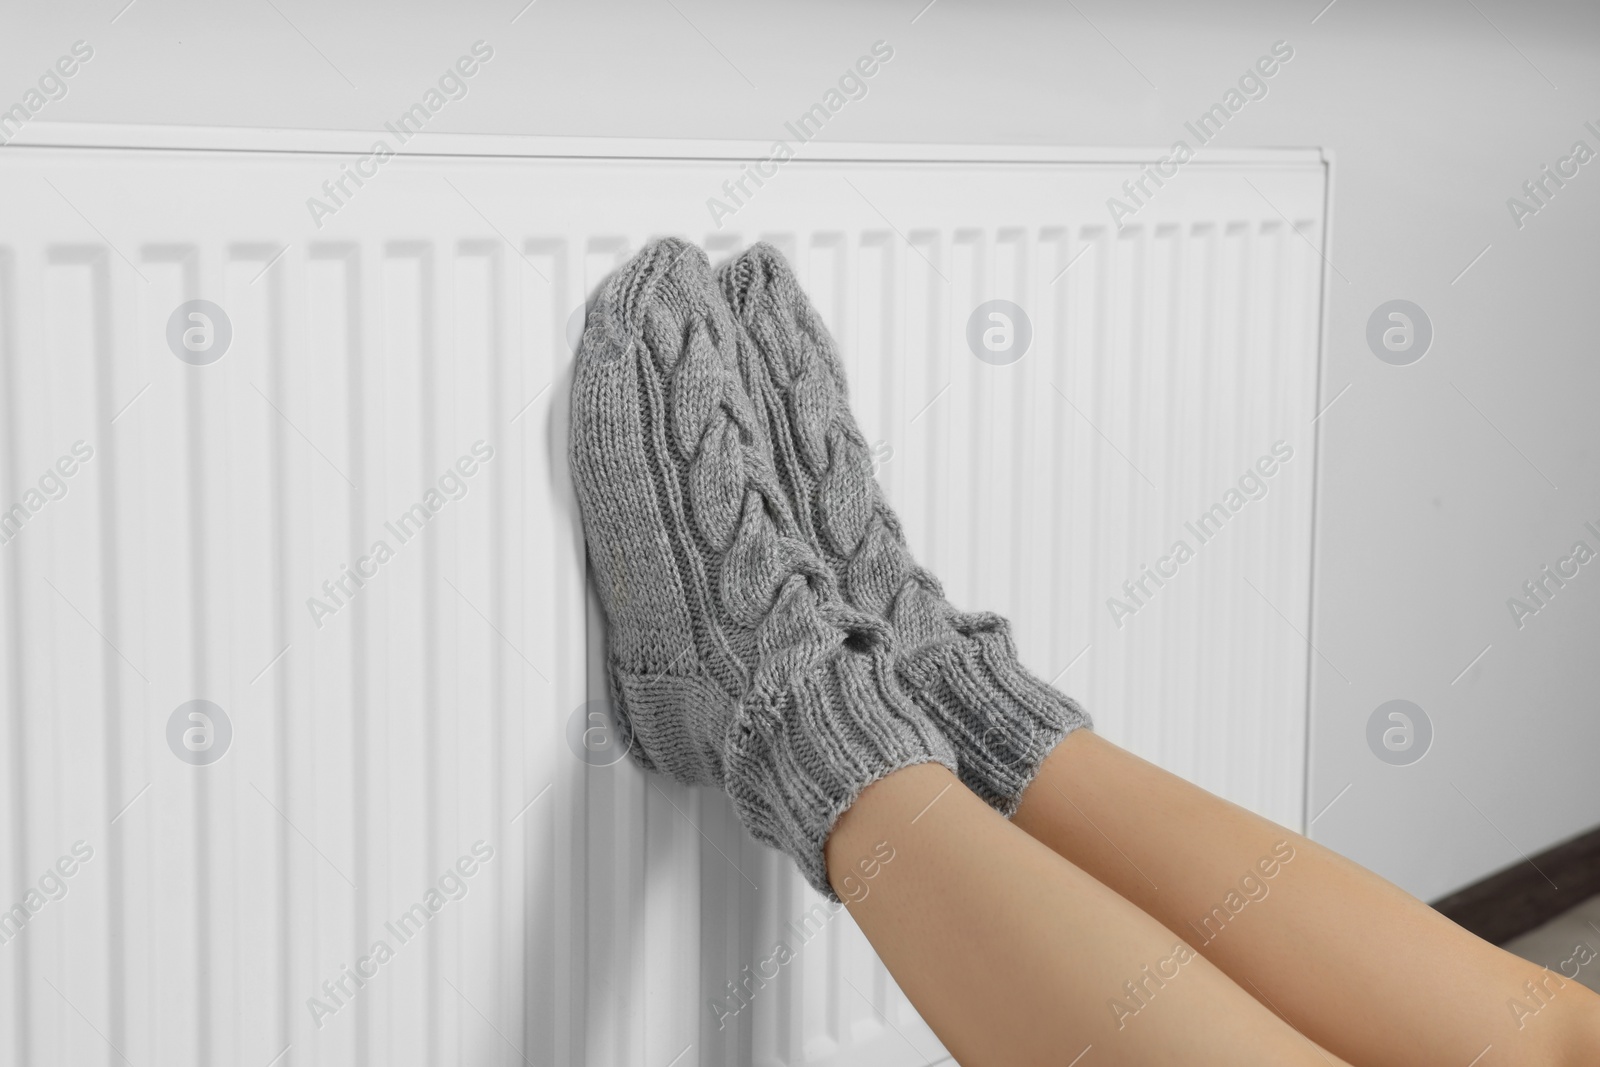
x,y
432,709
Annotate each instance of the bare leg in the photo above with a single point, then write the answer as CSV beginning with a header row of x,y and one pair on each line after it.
x,y
1353,962
1015,956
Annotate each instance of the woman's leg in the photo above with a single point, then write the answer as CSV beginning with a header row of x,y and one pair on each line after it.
x,y
1364,969
1015,956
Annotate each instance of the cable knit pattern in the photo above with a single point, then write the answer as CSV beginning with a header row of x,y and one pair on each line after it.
x,y
961,667
732,658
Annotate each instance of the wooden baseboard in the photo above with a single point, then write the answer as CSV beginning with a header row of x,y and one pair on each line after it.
x,y
1521,897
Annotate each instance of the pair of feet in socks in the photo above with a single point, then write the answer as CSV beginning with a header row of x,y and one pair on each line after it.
x,y
768,631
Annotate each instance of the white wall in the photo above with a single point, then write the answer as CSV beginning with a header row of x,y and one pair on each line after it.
x,y
1444,485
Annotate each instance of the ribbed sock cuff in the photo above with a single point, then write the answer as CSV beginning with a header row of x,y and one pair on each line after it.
x,y
1001,720
797,760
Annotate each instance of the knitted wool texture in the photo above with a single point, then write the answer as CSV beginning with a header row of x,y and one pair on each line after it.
x,y
960,667
732,659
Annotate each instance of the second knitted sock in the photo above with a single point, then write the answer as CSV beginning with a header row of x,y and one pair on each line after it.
x,y
961,667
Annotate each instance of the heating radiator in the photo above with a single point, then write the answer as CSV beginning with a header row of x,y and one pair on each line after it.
x,y
416,754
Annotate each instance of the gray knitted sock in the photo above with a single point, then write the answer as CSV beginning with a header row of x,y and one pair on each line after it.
x,y
733,661
961,667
